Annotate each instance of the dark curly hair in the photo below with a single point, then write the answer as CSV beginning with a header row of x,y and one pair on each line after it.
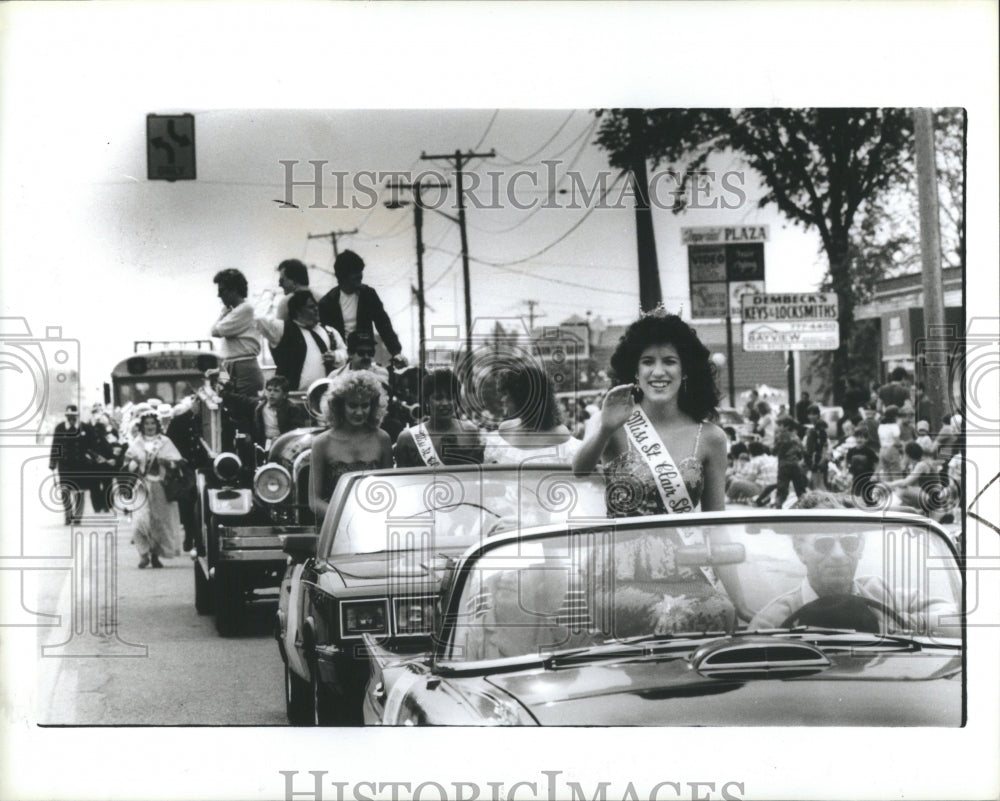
x,y
700,398
534,398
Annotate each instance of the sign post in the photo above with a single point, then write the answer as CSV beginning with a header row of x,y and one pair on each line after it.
x,y
724,263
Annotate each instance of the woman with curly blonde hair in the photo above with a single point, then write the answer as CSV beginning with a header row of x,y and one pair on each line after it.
x,y
355,404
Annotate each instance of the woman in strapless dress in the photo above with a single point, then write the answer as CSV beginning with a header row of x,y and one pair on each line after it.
x,y
672,381
355,404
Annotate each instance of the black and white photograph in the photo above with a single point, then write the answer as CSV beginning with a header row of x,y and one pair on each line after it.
x,y
628,369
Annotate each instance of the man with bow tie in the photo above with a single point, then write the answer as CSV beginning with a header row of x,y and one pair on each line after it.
x,y
71,454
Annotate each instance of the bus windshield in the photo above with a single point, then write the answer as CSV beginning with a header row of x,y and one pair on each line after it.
x,y
166,375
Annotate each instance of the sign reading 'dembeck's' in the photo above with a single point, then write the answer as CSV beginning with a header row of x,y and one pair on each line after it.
x,y
723,263
803,321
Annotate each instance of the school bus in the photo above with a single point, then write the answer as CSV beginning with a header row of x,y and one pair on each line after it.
x,y
165,370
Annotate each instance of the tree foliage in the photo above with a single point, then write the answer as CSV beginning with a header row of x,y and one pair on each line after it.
x,y
834,170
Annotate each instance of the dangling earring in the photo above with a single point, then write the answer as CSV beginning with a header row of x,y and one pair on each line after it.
x,y
684,384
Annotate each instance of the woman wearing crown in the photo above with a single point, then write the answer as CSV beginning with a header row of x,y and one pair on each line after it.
x,y
660,451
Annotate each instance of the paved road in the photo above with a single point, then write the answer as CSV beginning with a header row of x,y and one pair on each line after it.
x,y
128,646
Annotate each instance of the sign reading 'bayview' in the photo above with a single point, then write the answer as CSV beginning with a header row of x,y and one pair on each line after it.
x,y
806,321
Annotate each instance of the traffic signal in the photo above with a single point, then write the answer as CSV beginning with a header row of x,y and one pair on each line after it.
x,y
170,147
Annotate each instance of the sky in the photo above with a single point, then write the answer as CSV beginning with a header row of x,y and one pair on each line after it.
x,y
89,246
133,259
148,249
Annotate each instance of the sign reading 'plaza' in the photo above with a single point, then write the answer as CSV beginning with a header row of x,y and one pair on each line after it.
x,y
724,234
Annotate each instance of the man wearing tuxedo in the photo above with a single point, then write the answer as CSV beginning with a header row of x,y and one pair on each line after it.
x,y
354,306
72,454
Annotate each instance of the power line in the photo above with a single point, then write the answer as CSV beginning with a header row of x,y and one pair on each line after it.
x,y
524,274
548,141
332,236
549,195
508,162
486,132
572,228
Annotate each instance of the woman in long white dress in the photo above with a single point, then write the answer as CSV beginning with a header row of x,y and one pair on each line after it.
x,y
156,521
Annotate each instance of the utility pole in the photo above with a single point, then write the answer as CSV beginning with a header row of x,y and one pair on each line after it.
x,y
930,255
332,236
418,224
650,294
531,315
460,159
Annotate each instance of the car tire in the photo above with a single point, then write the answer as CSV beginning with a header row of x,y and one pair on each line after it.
x,y
202,591
229,600
298,699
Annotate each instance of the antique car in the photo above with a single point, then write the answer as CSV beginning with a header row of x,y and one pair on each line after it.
x,y
807,618
247,501
376,567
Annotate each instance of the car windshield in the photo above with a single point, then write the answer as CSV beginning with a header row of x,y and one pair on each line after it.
x,y
442,508
637,582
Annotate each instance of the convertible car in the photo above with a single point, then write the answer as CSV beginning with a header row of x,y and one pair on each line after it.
x,y
815,618
376,567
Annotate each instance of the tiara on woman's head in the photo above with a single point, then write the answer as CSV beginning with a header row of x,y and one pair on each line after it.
x,y
659,310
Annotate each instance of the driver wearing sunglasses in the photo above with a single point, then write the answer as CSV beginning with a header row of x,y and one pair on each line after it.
x,y
831,596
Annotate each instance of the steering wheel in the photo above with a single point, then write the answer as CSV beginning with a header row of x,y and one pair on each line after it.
x,y
854,609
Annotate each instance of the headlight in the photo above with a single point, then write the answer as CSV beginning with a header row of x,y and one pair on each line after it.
x,y
364,617
272,483
413,615
492,710
227,466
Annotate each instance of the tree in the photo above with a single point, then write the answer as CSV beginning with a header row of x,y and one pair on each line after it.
x,y
820,167
885,241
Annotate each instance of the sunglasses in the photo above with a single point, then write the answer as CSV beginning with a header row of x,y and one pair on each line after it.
x,y
369,353
850,543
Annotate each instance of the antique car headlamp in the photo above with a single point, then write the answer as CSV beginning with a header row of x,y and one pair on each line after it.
x,y
227,466
272,483
414,615
364,617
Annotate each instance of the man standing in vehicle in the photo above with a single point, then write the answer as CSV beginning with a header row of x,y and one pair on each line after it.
x,y
240,337
354,306
306,350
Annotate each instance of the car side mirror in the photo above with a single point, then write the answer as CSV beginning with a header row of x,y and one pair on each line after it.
x,y
299,546
724,553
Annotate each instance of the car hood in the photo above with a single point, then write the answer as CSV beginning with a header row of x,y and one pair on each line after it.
x,y
914,689
357,570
